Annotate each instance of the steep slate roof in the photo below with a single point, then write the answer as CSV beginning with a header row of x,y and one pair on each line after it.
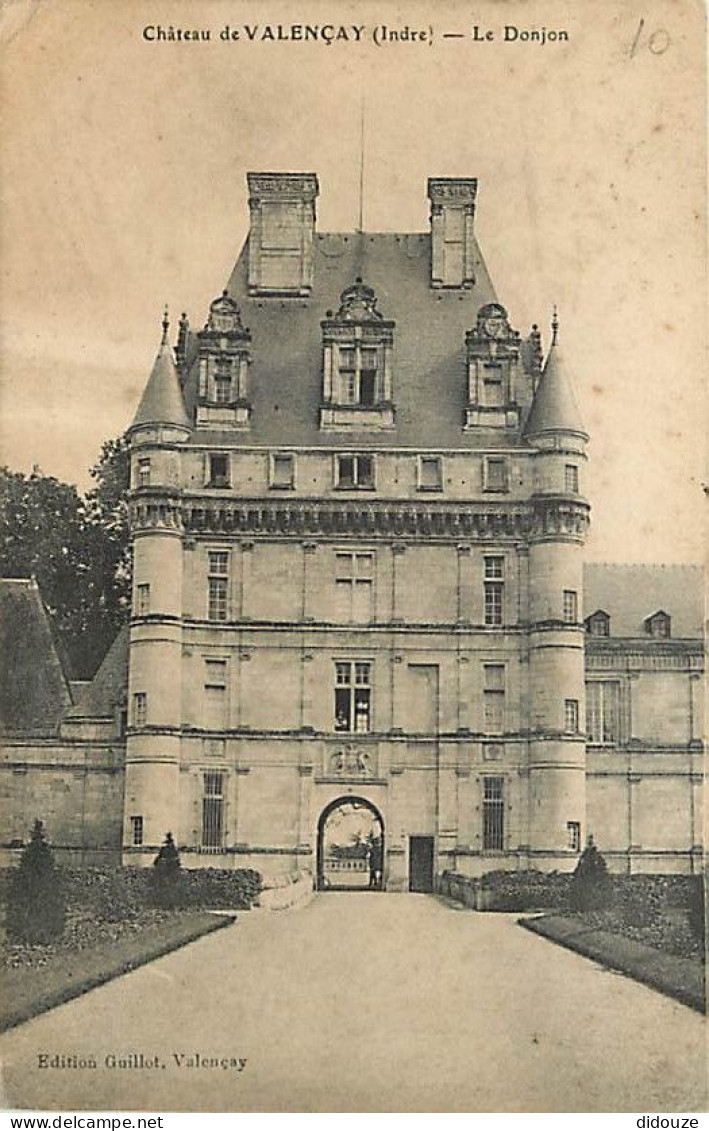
x,y
429,348
554,406
161,402
34,689
107,689
631,593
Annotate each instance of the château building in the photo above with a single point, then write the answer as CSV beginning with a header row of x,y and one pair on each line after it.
x,y
358,512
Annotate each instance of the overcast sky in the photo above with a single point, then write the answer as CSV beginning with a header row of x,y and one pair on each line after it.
x,y
124,188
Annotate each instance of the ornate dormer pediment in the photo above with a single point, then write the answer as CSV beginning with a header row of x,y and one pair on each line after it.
x,y
358,303
225,317
357,364
493,364
224,359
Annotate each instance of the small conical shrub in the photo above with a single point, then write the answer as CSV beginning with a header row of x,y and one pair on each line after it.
x,y
167,875
591,887
36,907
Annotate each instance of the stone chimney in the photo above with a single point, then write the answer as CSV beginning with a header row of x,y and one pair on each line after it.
x,y
452,216
282,207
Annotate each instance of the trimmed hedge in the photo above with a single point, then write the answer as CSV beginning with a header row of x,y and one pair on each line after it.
x,y
640,899
115,894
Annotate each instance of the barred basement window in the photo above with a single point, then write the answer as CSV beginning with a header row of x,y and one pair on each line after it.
x,y
570,607
602,711
136,831
142,600
571,716
494,698
354,586
144,472
493,814
573,829
430,473
213,808
353,693
571,478
140,709
355,472
494,590
218,585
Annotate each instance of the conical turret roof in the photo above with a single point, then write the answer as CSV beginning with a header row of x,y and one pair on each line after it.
x,y
162,401
554,408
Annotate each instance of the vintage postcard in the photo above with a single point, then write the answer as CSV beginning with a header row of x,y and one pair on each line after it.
x,y
351,593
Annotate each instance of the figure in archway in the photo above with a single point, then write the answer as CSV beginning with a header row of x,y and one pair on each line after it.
x,y
350,846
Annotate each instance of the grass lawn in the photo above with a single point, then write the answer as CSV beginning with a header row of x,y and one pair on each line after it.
x,y
36,978
668,932
663,954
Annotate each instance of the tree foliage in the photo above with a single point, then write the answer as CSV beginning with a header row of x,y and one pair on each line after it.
x,y
77,549
36,908
591,887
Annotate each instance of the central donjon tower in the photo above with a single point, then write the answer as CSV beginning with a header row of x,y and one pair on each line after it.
x,y
358,514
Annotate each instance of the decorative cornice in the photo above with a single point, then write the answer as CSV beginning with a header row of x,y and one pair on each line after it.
x,y
545,518
354,517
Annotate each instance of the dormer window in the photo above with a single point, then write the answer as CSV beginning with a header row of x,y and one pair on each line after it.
x,y
222,386
224,358
357,364
493,393
659,624
358,367
598,624
493,361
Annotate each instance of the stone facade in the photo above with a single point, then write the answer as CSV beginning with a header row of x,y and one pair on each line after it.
x,y
358,512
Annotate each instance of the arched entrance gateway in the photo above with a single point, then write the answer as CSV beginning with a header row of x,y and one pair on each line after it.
x,y
350,847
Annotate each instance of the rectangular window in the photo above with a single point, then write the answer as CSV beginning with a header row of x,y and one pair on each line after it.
x,y
571,478
602,711
283,471
571,716
215,694
496,478
493,815
218,585
494,590
573,829
353,695
144,472
356,472
571,607
430,473
354,584
222,387
142,601
357,371
493,391
136,831
213,808
218,470
494,698
140,709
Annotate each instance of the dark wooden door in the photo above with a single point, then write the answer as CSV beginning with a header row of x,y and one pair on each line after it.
x,y
421,863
